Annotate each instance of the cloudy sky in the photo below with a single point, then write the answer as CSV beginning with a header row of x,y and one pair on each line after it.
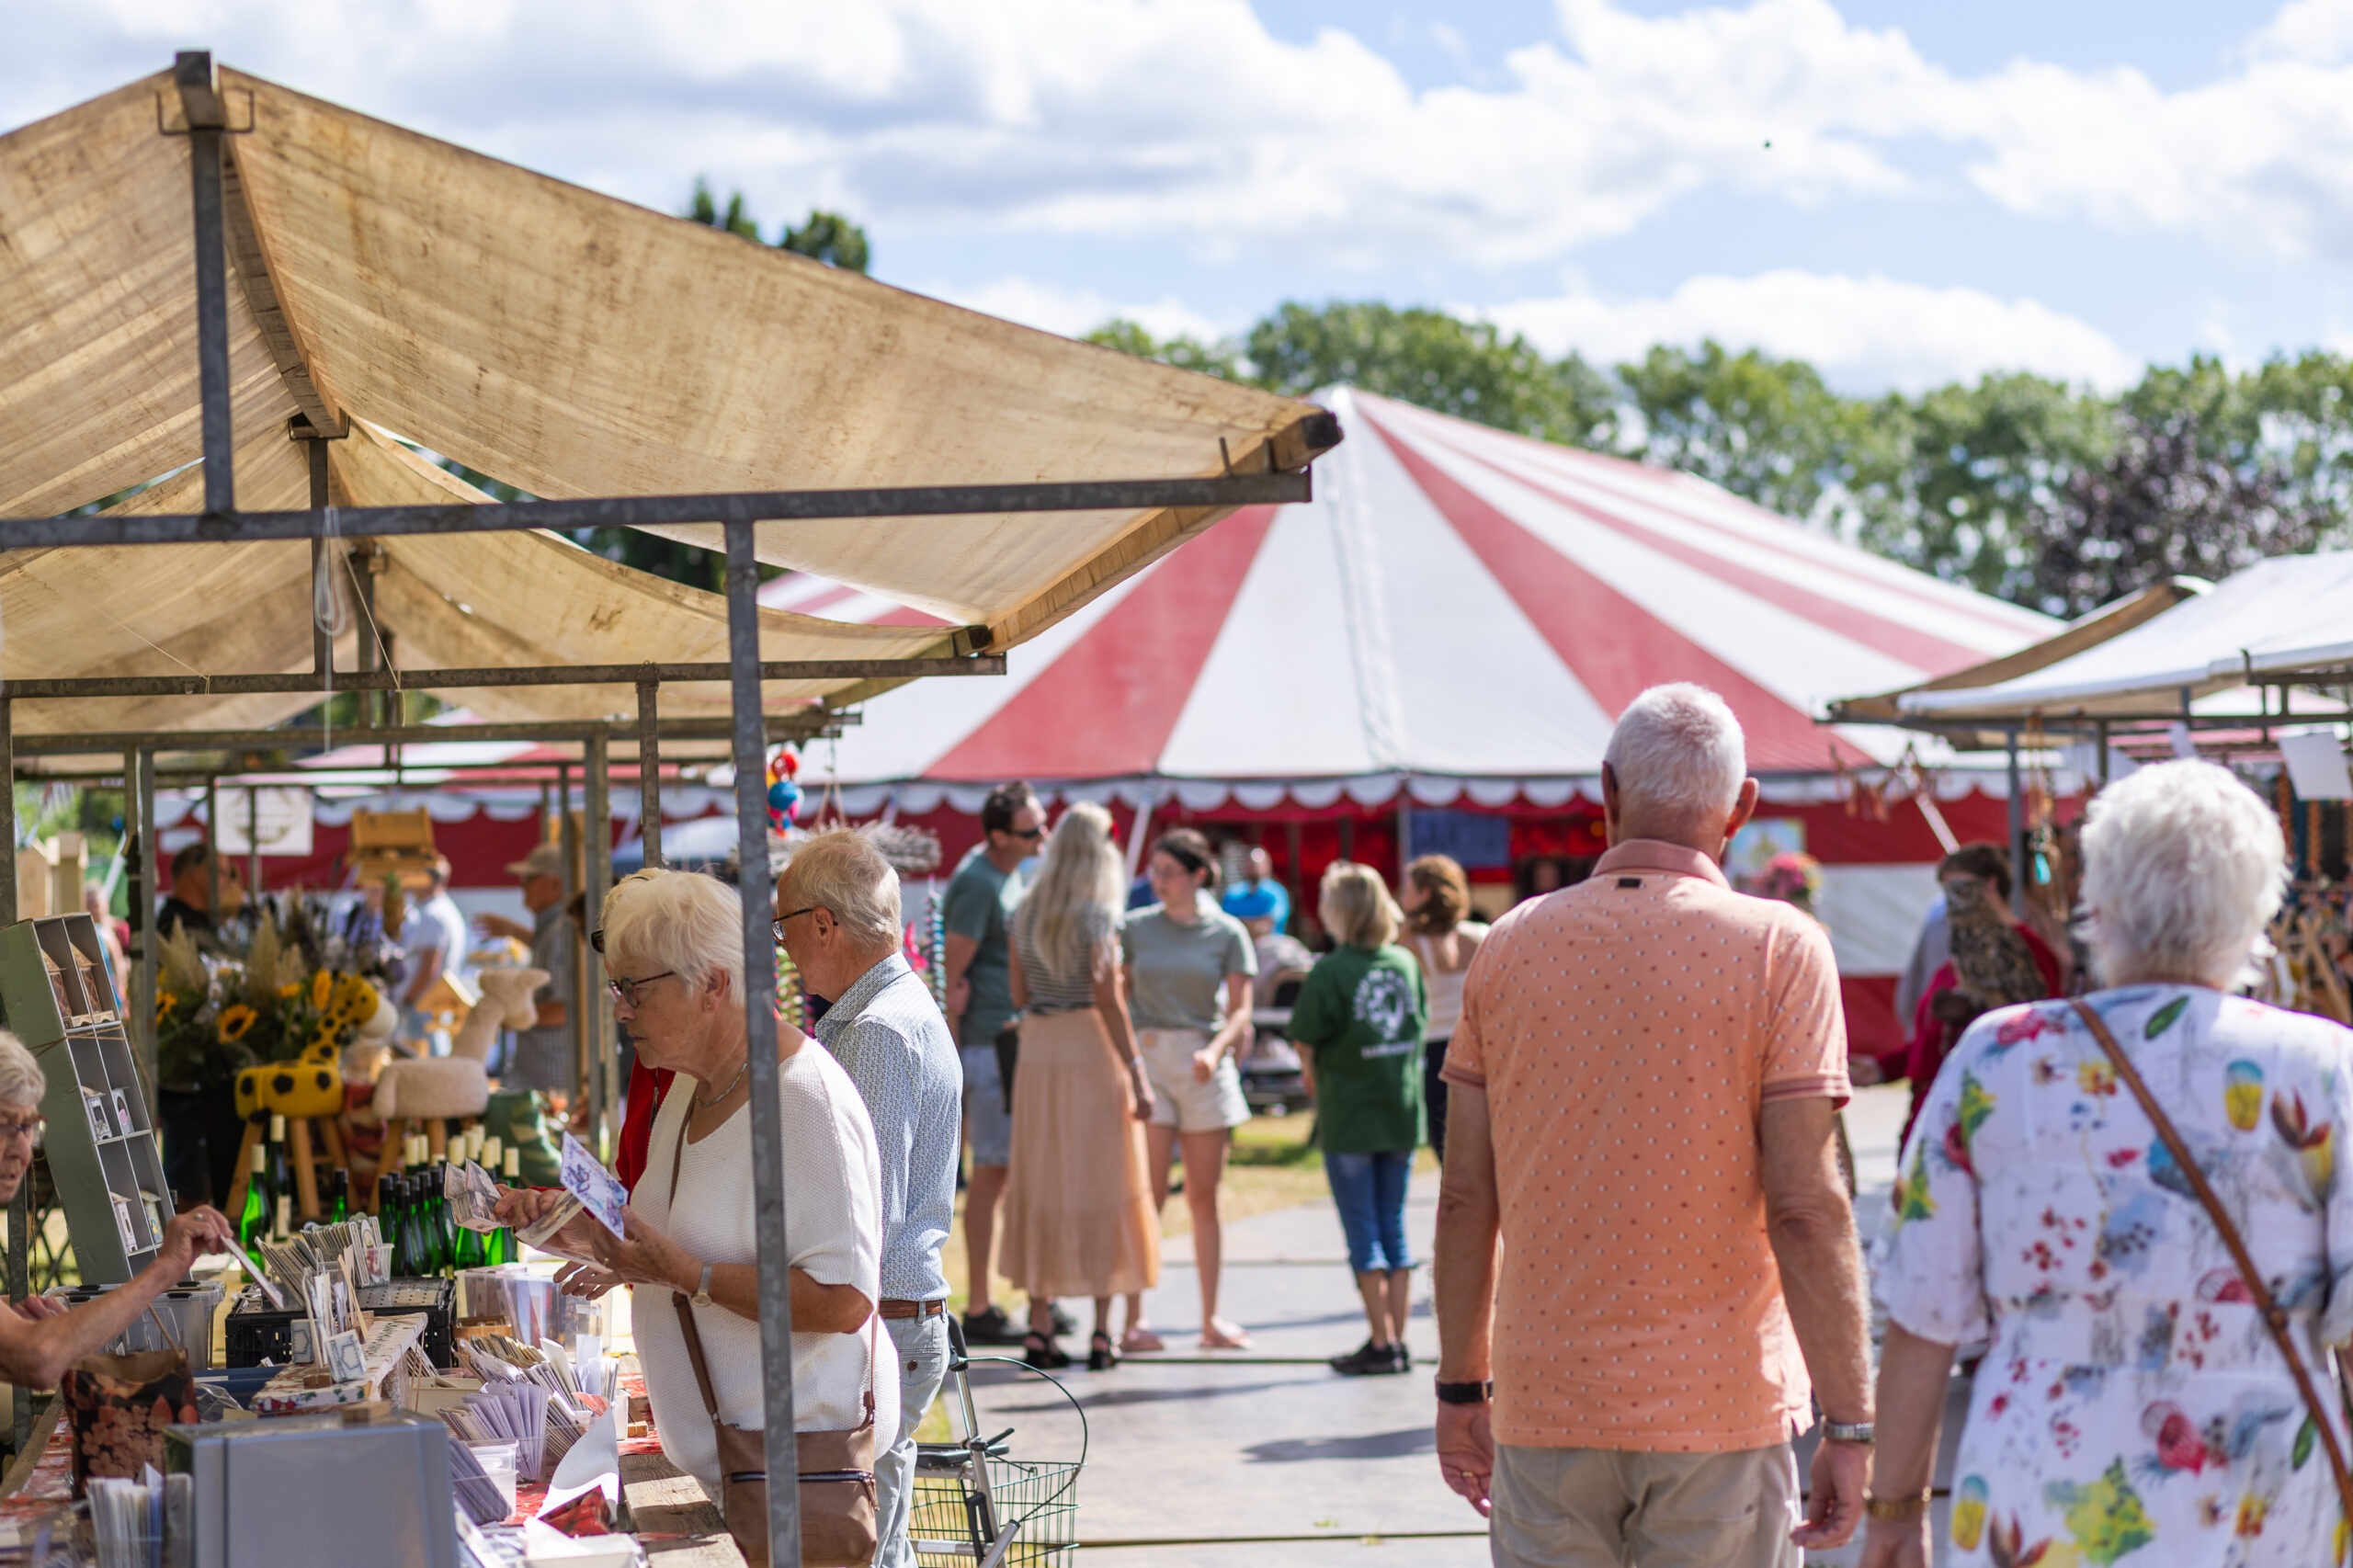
x,y
1902,192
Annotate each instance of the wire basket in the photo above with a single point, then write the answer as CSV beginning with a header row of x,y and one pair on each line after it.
x,y
945,1523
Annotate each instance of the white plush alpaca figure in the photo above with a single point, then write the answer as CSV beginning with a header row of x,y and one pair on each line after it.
x,y
457,1085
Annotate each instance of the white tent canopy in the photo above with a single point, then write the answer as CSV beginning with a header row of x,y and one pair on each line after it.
x,y
2293,613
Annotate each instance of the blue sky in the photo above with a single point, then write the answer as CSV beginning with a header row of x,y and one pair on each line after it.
x,y
1902,192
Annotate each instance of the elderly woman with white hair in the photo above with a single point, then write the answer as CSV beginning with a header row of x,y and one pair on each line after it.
x,y
2135,1400
40,1339
673,949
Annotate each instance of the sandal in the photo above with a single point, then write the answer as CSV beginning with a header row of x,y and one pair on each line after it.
x,y
1222,1335
1101,1356
1039,1353
1140,1340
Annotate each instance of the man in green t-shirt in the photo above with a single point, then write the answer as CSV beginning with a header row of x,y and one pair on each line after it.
x,y
977,911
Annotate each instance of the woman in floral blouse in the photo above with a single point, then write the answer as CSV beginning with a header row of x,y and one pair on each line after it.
x,y
2132,1405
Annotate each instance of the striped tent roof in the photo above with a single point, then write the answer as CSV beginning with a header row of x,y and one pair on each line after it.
x,y
1456,602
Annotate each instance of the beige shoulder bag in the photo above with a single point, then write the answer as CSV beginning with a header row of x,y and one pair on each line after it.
x,y
838,1522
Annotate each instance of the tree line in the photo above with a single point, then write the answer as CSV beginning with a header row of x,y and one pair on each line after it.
x,y
2050,495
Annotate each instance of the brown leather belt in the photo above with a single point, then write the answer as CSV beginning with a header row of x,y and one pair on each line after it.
x,y
895,1309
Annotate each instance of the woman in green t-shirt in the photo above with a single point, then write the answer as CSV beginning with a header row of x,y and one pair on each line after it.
x,y
1358,1024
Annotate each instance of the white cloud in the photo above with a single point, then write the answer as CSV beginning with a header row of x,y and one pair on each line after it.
x,y
1075,312
1188,120
1863,333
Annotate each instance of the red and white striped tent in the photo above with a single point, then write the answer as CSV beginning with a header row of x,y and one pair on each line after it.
x,y
1449,631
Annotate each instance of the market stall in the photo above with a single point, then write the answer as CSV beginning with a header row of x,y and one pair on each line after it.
x,y
205,266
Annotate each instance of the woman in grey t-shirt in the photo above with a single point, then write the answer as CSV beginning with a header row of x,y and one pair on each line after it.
x,y
1178,954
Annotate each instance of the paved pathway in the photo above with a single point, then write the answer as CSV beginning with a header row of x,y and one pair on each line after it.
x,y
1203,1460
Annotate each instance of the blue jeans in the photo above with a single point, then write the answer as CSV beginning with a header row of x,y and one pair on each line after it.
x,y
1371,1192
922,1346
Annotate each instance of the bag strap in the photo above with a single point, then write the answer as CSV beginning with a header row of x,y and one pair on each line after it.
x,y
2274,1318
686,1324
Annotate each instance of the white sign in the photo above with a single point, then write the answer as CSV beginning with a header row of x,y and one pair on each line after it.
x,y
2317,767
282,817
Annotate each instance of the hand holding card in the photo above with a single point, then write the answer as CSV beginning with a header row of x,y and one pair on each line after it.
x,y
599,1191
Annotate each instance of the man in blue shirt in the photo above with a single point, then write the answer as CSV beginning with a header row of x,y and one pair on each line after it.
x,y
838,916
1255,889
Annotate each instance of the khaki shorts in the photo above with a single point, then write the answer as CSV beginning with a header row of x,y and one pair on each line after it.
x,y
1178,1100
1608,1508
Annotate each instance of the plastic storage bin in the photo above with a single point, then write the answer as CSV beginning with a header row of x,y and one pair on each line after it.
x,y
186,1310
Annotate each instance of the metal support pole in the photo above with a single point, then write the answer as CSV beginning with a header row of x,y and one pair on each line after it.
x,y
19,1206
2101,739
253,842
322,645
759,1016
8,811
649,771
2018,829
143,912
212,849
575,1006
366,583
213,319
596,1021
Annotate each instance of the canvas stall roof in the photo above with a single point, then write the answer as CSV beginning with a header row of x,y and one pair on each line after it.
x,y
2287,614
572,345
445,601
1456,603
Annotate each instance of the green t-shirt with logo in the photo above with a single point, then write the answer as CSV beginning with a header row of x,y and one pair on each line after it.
x,y
1361,1009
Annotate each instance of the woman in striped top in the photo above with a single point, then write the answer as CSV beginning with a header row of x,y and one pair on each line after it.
x,y
1079,1218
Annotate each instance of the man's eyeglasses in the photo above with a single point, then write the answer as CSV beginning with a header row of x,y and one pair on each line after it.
x,y
29,1129
777,923
1031,834
625,990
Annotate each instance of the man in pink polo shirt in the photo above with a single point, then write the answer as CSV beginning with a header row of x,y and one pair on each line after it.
x,y
1643,1095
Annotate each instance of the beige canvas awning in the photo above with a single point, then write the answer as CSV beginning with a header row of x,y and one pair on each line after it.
x,y
565,343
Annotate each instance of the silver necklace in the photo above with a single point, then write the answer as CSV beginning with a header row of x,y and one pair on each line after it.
x,y
706,1104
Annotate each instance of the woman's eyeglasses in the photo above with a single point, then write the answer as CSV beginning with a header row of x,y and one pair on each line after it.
x,y
625,990
29,1129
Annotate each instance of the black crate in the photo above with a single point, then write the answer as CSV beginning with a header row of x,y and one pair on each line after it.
x,y
259,1332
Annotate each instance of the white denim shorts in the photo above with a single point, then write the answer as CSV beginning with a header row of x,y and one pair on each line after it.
x,y
1181,1100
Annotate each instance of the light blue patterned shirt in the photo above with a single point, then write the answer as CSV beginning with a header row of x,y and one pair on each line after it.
x,y
888,1035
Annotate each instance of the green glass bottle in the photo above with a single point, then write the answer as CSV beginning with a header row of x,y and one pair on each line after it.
x,y
339,1203
252,1221
281,1182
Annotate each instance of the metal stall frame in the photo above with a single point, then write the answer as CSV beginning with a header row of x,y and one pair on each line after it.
x,y
206,124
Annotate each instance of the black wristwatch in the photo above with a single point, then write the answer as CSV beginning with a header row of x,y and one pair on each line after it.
x,y
1464,1393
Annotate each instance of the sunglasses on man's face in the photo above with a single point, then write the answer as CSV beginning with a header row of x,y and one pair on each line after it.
x,y
1030,834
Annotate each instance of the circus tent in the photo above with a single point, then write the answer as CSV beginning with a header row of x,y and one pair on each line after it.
x,y
1433,650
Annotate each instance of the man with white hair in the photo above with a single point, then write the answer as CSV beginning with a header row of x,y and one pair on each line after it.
x,y
1643,1095
838,916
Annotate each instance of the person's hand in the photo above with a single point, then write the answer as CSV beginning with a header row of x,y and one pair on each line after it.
x,y
491,924
523,1206
1140,1096
1863,1072
1466,1452
193,1233
1841,1473
585,1281
1887,1544
960,997
1205,1064
33,1309
642,1255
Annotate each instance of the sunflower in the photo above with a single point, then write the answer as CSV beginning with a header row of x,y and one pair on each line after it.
x,y
322,987
236,1021
165,1003
292,989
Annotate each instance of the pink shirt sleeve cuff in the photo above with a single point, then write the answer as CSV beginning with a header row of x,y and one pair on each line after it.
x,y
1832,1086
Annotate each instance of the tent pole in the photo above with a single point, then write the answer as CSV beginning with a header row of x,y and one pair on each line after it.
x,y
322,645
1404,832
600,825
2017,828
143,911
575,1005
759,1006
649,771
253,832
192,75
212,848
8,811
374,680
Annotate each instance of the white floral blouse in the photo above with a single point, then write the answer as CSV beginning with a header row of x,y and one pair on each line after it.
x,y
2132,1405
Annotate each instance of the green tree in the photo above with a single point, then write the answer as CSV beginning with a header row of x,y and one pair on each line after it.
x,y
703,208
1186,353
828,237
1425,357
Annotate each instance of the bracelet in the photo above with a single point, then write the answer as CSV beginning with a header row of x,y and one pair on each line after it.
x,y
1465,1393
1898,1510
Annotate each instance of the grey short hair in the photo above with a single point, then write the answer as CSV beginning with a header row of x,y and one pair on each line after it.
x,y
1677,752
843,873
685,922
22,1079
2184,867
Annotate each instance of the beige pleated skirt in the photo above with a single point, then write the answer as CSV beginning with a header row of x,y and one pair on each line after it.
x,y
1078,1213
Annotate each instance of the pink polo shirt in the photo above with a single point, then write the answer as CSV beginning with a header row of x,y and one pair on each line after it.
x,y
1627,1030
